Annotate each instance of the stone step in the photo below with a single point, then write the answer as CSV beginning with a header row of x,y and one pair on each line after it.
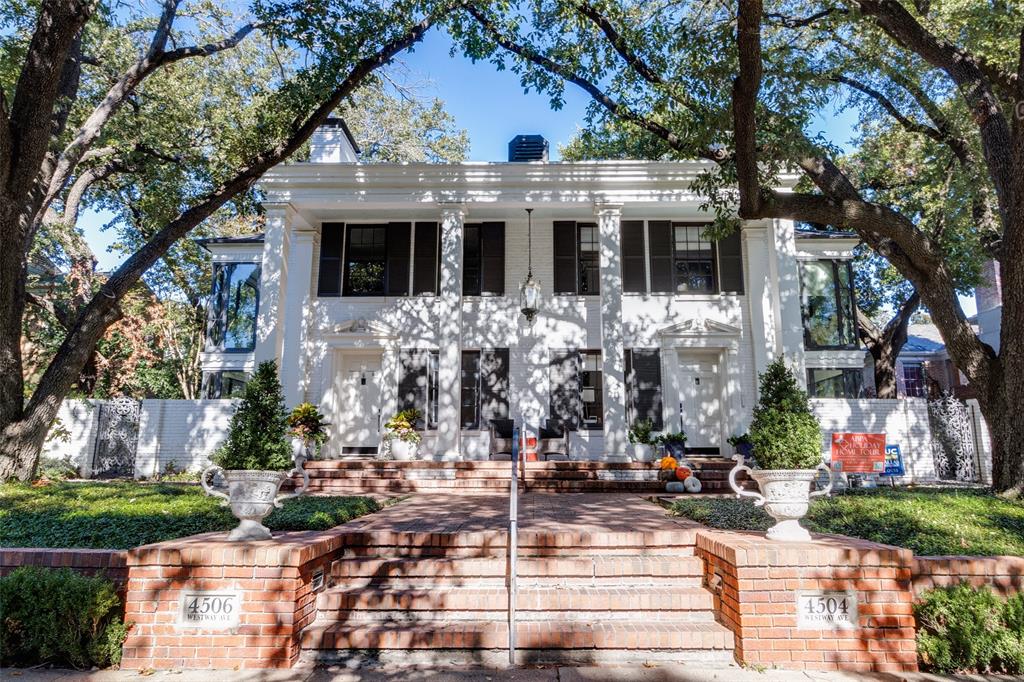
x,y
533,602
667,635
577,568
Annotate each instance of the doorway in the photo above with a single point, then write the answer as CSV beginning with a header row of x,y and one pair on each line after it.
x,y
358,415
700,402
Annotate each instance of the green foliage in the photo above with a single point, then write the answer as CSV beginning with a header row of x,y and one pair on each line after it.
x,y
672,437
403,426
61,617
54,469
258,437
739,439
966,629
125,515
784,433
640,432
929,521
306,422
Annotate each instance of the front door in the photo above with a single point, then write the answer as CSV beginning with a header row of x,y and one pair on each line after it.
x,y
700,401
359,391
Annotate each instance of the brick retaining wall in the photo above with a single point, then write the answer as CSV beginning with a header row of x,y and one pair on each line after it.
x,y
1004,574
757,582
111,562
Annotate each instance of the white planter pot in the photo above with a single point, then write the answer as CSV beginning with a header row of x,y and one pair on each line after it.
x,y
785,495
643,453
252,495
403,451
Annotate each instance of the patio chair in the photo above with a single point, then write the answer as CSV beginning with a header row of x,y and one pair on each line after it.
x,y
554,442
500,448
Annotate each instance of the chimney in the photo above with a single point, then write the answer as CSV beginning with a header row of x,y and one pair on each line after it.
x,y
333,143
528,148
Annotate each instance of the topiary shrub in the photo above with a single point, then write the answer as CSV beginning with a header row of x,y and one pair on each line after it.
x,y
969,629
784,433
258,439
59,616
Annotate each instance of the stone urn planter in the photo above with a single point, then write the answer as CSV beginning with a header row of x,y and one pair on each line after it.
x,y
252,495
643,452
403,451
785,495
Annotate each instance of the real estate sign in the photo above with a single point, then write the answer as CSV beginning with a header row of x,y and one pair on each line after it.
x,y
858,453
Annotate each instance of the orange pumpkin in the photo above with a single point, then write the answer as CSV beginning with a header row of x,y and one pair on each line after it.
x,y
668,463
683,473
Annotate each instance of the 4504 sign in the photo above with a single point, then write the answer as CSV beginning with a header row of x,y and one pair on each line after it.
x,y
820,610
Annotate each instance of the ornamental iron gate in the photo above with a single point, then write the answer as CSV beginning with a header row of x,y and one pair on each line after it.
x,y
117,439
952,439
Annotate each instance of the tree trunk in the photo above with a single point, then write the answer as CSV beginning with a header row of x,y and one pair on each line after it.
x,y
21,442
886,385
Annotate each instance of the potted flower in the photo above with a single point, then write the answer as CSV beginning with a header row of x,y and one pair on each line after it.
x,y
742,444
257,456
641,439
403,438
308,430
787,439
674,443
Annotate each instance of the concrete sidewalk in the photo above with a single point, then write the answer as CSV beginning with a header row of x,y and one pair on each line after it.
x,y
663,673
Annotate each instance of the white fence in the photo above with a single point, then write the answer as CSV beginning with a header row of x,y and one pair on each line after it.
x,y
183,433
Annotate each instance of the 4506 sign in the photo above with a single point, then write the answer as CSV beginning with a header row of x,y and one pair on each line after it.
x,y
211,610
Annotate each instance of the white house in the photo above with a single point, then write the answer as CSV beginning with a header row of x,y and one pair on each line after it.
x,y
382,286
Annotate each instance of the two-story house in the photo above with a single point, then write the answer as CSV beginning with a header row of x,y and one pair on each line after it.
x,y
383,286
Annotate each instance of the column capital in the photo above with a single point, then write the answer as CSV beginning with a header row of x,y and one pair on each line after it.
x,y
305,235
453,208
607,209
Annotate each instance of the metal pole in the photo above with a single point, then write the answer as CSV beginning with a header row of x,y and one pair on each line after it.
x,y
513,545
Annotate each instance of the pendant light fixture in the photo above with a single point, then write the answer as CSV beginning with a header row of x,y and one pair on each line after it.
x,y
529,292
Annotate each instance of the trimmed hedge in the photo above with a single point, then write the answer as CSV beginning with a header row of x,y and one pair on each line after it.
x,y
969,629
61,617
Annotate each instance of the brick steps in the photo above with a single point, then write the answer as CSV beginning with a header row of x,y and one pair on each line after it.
x,y
575,568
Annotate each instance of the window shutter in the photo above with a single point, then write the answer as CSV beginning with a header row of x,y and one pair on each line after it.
x,y
730,263
492,261
634,267
412,380
332,237
565,256
425,260
643,381
471,261
493,385
564,374
398,237
662,248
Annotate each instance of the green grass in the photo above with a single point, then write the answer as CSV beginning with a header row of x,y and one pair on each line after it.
x,y
123,515
930,521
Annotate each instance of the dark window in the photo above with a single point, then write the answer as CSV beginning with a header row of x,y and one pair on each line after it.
x,y
834,383
589,277
565,243
483,259
426,260
332,238
914,380
693,260
828,305
396,274
634,263
730,263
484,387
225,384
472,265
433,362
576,388
643,385
417,384
235,304
662,275
366,260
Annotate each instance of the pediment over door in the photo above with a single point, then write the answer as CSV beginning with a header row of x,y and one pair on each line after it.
x,y
701,327
360,327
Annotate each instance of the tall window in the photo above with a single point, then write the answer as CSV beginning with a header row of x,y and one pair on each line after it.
x,y
693,260
433,363
576,383
589,260
590,389
418,384
834,383
914,380
483,259
828,305
484,387
234,307
365,260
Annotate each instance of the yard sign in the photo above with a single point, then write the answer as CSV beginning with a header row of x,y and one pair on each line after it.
x,y
858,453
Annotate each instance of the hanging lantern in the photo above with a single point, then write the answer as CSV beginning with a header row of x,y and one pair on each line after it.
x,y
529,292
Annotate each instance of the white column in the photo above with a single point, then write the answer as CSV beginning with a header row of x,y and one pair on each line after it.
x,y
791,324
449,337
613,359
296,300
273,278
762,297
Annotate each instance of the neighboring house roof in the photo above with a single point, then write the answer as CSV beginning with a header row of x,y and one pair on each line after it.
x,y
924,338
804,232
242,239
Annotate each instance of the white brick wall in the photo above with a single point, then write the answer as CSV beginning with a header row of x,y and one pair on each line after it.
x,y
185,432
982,442
79,419
905,422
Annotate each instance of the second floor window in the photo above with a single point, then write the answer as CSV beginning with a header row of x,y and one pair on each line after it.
x,y
693,260
234,305
835,383
365,261
378,260
682,261
483,259
589,260
577,258
828,306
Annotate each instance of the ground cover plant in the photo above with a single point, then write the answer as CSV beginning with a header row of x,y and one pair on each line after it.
x,y
122,515
929,521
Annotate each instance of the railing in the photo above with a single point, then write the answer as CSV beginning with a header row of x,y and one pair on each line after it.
x,y
513,543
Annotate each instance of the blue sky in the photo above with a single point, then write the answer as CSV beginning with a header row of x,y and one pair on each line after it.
x,y
492,106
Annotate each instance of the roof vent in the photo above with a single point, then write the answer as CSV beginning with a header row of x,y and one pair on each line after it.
x,y
528,148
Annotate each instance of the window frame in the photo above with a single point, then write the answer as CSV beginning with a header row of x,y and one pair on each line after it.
x,y
592,262
921,382
597,387
213,384
843,325
346,260
845,373
217,316
474,425
677,259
